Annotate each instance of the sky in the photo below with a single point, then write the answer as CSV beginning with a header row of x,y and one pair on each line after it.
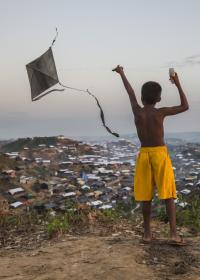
x,y
145,37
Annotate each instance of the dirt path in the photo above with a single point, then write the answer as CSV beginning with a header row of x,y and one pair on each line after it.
x,y
107,258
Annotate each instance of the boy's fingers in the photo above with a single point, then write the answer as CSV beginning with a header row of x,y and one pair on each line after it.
x,y
118,68
115,69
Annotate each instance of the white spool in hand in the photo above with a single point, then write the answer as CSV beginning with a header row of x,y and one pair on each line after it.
x,y
171,74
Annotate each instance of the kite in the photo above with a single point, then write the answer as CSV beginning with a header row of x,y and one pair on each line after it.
x,y
43,75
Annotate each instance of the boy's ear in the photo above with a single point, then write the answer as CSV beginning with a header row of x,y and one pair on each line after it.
x,y
159,98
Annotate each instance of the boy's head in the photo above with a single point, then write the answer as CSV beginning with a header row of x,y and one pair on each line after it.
x,y
151,93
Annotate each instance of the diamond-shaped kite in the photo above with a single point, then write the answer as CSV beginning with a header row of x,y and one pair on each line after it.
x,y
42,74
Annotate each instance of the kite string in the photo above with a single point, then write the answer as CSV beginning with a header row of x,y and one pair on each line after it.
x,y
77,89
53,42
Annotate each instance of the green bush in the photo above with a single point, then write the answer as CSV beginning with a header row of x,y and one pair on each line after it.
x,y
190,215
110,214
161,213
124,208
57,225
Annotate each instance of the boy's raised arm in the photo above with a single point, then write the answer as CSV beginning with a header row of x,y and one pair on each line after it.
x,y
129,89
168,111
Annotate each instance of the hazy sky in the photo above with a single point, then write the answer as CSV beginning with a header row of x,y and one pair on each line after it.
x,y
146,37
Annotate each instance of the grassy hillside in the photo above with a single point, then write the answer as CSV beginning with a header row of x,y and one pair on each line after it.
x,y
7,163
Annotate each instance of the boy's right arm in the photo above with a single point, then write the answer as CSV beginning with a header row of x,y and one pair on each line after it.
x,y
134,104
168,111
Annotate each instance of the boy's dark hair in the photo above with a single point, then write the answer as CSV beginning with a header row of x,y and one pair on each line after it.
x,y
151,92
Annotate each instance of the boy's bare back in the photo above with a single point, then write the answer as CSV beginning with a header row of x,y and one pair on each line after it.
x,y
148,119
149,125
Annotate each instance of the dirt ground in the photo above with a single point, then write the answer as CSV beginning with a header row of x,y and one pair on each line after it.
x,y
112,257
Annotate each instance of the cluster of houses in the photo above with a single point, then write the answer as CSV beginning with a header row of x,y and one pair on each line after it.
x,y
186,161
101,177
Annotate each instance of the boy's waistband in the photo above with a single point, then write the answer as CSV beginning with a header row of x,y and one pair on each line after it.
x,y
153,149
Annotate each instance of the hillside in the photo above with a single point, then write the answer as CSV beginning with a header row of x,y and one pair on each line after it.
x,y
21,143
7,163
55,238
91,245
113,256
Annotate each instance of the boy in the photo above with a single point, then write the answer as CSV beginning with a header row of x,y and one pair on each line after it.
x,y
153,165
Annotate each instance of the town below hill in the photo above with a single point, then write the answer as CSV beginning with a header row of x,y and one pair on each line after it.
x,y
42,172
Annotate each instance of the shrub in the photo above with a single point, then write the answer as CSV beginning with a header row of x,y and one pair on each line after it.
x,y
57,225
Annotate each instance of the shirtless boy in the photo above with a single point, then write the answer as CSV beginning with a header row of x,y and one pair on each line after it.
x,y
153,165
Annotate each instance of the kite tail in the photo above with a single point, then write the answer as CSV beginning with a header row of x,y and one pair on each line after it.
x,y
98,104
102,115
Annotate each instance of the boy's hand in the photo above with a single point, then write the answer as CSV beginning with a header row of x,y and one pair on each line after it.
x,y
175,79
119,69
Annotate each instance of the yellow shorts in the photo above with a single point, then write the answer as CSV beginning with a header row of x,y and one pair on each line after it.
x,y
154,168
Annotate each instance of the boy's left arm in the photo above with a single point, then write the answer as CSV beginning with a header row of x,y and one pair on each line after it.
x,y
134,104
169,111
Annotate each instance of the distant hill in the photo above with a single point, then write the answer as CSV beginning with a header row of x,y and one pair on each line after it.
x,y
4,142
192,137
21,143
